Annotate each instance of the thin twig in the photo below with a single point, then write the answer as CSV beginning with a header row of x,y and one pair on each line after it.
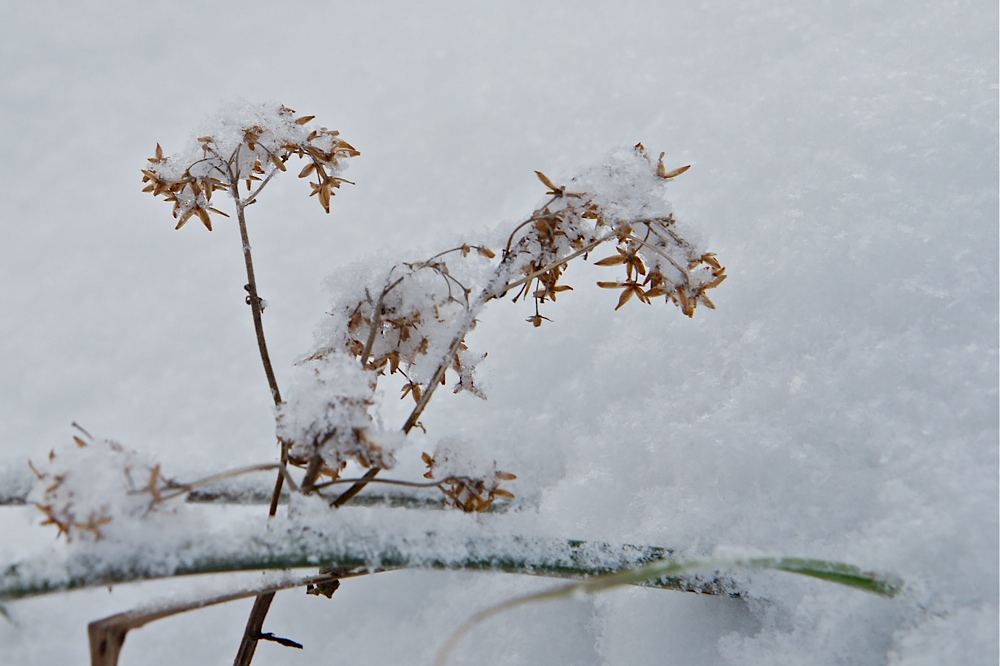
x,y
555,264
256,620
349,494
653,248
251,634
201,483
435,380
533,218
254,298
444,252
315,463
252,197
376,321
391,482
276,493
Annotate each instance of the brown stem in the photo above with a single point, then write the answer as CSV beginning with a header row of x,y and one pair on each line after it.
x,y
258,323
663,254
541,271
376,321
276,493
313,470
252,632
186,488
349,494
256,620
391,482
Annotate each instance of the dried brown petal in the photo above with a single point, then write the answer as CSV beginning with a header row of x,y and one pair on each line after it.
x,y
662,172
545,180
159,155
686,306
716,282
183,219
625,298
711,260
324,196
203,216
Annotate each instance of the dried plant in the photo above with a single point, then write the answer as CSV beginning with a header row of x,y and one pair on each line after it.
x,y
416,321
411,321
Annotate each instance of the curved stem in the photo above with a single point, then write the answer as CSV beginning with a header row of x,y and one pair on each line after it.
x,y
390,482
499,291
653,248
201,483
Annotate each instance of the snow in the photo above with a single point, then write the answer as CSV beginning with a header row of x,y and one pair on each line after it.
x,y
839,402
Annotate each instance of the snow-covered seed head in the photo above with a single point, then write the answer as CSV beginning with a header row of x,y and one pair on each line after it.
x,y
246,146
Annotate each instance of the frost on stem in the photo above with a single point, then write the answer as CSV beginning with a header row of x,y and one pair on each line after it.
x,y
248,145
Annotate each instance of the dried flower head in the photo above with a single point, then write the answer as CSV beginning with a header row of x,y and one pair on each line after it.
x,y
405,327
468,486
327,418
620,202
248,146
84,488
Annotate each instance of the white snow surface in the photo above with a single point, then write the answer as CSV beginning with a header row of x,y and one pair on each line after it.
x,y
841,402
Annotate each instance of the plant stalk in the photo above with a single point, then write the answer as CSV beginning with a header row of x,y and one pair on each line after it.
x,y
254,299
252,632
263,601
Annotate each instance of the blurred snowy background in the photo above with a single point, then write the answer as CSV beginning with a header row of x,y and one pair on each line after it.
x,y
841,402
